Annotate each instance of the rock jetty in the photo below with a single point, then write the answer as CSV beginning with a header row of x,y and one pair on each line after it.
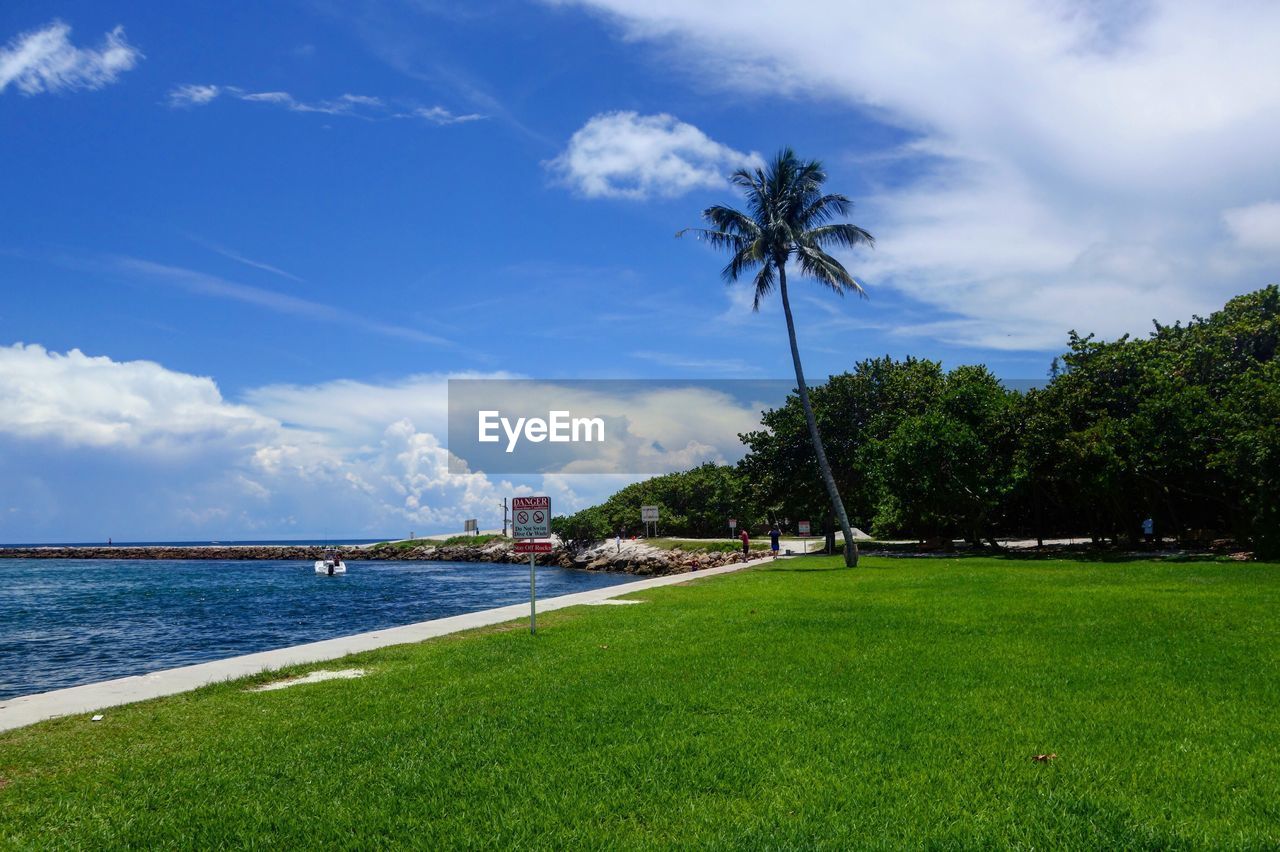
x,y
634,557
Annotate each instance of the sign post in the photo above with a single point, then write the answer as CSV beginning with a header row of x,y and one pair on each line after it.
x,y
531,520
733,525
649,515
804,532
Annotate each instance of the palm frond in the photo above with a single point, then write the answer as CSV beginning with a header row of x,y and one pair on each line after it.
x,y
819,265
786,215
763,285
746,257
841,234
717,239
731,221
823,209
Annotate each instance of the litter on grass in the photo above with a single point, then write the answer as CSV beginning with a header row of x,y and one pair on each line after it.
x,y
98,718
314,677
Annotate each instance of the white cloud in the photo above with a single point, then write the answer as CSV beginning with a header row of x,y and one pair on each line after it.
x,y
45,60
360,412
94,401
193,95
360,106
1068,162
1256,226
627,155
283,98
162,450
136,448
440,115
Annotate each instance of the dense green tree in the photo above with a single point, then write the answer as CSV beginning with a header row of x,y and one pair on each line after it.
x,y
855,411
1182,426
695,502
945,471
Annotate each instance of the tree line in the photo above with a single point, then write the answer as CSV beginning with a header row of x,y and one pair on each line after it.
x,y
1182,427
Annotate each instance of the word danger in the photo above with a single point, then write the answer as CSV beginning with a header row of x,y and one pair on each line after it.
x,y
558,428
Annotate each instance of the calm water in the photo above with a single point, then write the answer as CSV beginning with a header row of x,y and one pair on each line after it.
x,y
65,622
314,542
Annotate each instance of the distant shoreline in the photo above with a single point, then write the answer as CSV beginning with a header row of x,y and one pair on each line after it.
x,y
631,557
273,542
241,552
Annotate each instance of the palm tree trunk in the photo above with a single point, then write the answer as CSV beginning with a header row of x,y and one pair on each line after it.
x,y
850,547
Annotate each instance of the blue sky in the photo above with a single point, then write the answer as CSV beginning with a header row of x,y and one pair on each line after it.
x,y
268,232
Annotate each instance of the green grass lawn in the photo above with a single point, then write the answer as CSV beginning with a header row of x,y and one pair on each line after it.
x,y
791,705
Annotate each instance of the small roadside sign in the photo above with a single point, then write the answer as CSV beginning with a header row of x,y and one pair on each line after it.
x,y
803,527
648,513
533,547
531,517
733,523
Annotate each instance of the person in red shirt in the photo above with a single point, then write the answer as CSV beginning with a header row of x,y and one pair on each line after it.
x,y
746,543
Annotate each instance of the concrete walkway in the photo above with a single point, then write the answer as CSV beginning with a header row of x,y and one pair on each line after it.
x,y
29,709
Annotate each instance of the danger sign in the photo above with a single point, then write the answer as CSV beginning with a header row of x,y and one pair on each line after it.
x,y
531,517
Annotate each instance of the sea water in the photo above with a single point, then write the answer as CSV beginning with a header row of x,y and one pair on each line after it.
x,y
65,622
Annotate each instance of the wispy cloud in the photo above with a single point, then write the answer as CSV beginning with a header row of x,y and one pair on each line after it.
x,y
247,261
45,60
203,284
368,107
440,115
395,33
627,155
687,362
192,95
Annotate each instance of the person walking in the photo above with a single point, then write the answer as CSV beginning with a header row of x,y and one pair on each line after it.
x,y
774,535
746,544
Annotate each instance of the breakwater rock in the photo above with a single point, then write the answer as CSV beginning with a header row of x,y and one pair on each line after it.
x,y
634,557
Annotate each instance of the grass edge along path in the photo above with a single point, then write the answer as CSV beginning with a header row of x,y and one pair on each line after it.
x,y
24,710
795,704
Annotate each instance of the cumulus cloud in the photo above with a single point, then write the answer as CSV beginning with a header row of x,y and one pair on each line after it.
x,y
45,60
154,452
628,155
358,411
163,450
98,402
1066,164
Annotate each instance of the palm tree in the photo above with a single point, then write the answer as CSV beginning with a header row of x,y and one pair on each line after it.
x,y
789,217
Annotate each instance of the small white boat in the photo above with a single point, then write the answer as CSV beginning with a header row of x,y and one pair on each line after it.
x,y
331,565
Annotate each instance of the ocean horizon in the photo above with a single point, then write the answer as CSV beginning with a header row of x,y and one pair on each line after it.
x,y
277,542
